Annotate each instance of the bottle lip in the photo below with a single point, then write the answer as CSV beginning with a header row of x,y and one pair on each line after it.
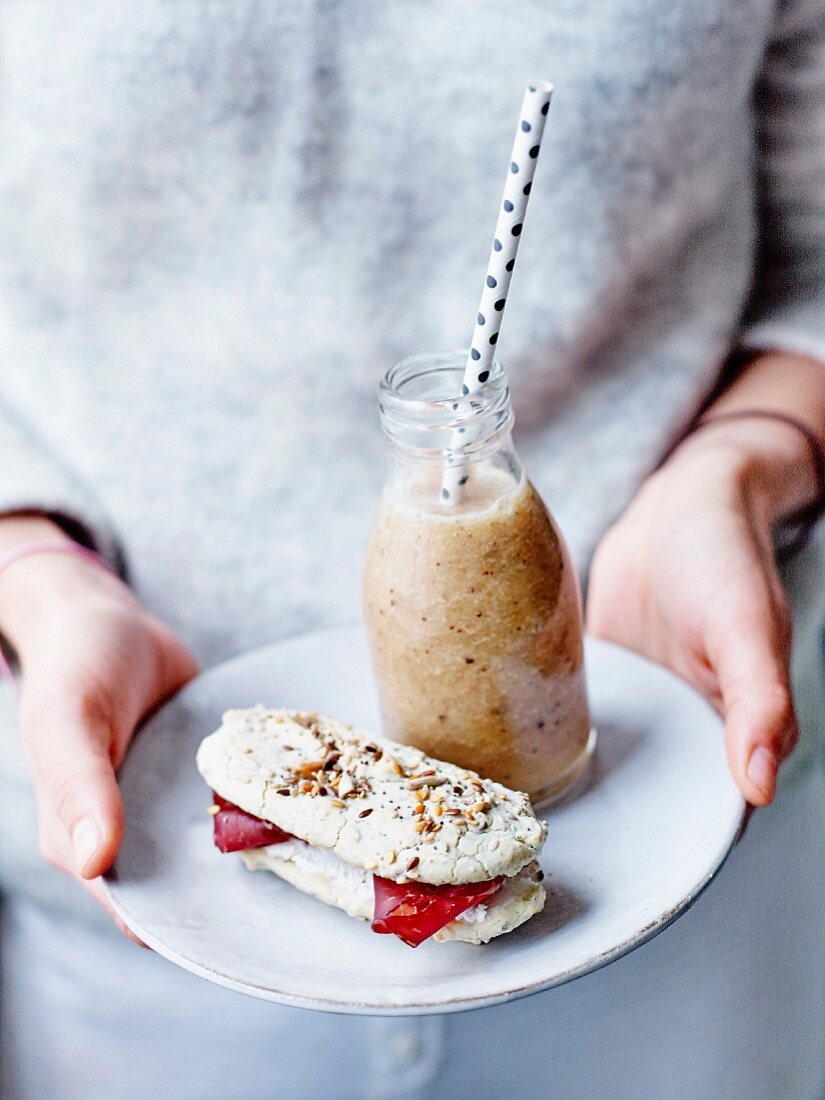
x,y
399,391
425,415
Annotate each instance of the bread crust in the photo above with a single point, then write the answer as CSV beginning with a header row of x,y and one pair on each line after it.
x,y
379,806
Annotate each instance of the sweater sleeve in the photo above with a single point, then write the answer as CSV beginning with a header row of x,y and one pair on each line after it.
x,y
33,480
787,305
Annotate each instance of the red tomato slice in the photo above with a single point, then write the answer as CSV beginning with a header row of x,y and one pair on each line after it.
x,y
236,830
414,911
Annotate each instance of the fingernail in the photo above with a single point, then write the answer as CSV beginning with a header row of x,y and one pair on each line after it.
x,y
86,841
762,769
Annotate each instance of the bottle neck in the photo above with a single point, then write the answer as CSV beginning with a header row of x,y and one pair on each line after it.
x,y
428,419
431,425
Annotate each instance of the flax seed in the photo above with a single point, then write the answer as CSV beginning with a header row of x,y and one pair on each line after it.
x,y
309,768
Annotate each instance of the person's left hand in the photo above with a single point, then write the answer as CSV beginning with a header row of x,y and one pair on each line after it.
x,y
687,577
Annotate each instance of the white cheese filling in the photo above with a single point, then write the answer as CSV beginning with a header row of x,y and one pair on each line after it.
x,y
351,887
319,872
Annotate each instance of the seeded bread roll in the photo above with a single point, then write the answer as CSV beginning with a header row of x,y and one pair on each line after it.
x,y
318,872
379,806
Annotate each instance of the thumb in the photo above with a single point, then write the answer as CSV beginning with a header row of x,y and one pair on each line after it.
x,y
69,739
752,666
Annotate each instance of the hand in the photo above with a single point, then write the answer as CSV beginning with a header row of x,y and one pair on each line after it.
x,y
687,577
94,664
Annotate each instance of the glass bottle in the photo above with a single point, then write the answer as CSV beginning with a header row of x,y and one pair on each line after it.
x,y
472,605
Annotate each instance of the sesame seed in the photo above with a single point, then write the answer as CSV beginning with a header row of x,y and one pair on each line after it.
x,y
213,810
413,863
366,813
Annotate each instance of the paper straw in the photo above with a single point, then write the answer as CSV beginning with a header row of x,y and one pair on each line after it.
x,y
490,314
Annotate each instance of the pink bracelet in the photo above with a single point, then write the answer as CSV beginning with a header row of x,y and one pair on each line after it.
x,y
42,546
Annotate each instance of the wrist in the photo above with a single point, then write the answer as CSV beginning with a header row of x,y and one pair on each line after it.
x,y
29,527
767,461
37,585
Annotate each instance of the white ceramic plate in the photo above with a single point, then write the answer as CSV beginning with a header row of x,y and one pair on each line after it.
x,y
622,860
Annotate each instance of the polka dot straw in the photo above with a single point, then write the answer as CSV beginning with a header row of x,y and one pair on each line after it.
x,y
517,187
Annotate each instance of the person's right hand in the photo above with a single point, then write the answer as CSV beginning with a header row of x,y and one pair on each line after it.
x,y
94,663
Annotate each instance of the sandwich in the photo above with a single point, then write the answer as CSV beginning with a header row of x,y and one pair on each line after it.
x,y
418,847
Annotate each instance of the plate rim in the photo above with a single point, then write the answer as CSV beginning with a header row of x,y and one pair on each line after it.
x,y
423,1007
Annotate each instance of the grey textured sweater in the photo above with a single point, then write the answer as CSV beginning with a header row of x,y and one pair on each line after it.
x,y
220,222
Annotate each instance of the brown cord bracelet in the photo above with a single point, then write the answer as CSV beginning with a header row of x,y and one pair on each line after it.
x,y
799,524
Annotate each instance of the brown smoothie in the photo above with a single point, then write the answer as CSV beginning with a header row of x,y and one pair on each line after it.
x,y
475,626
